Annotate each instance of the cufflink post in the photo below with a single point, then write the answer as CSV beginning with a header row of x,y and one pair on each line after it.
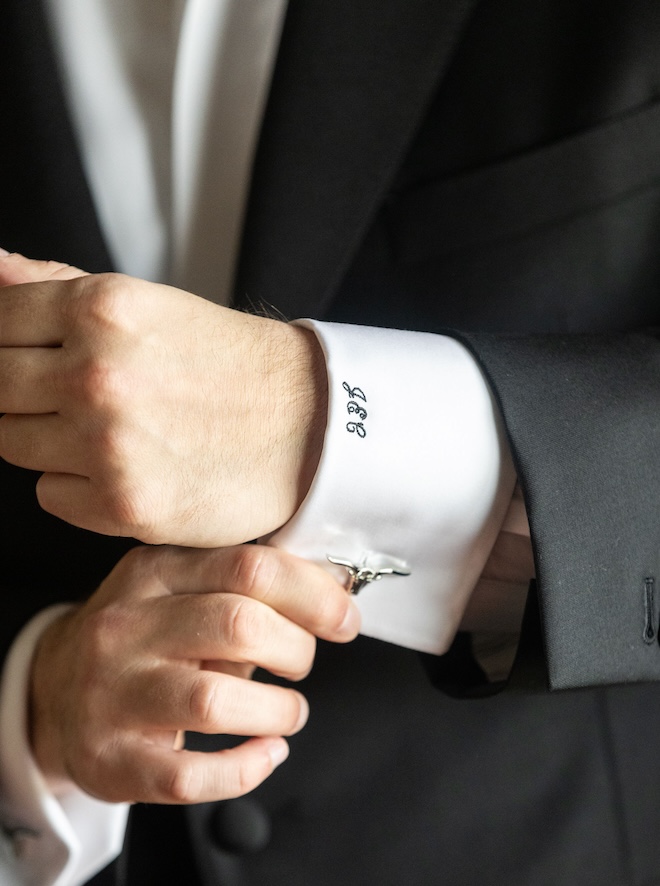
x,y
361,575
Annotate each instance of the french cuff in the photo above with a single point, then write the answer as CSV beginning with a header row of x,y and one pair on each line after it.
x,y
415,474
49,840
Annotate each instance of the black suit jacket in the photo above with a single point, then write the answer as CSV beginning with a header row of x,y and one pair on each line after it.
x,y
490,167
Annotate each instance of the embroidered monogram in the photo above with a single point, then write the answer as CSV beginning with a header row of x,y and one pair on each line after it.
x,y
354,408
354,393
356,427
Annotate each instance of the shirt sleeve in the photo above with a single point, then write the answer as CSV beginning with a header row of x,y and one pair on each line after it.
x,y
415,475
47,839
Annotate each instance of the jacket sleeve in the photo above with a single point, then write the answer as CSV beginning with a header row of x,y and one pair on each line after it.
x,y
582,415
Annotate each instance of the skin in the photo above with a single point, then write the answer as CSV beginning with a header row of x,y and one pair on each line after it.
x,y
169,643
153,413
156,414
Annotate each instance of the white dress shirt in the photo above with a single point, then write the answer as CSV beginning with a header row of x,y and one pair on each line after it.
x,y
167,98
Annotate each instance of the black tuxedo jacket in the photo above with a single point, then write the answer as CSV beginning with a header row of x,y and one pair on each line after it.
x,y
491,167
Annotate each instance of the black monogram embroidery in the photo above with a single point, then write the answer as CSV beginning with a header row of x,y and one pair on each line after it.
x,y
354,408
356,427
354,393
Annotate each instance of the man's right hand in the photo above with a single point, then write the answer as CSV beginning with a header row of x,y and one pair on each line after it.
x,y
153,413
169,643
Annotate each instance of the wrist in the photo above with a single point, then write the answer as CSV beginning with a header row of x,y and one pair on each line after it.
x,y
44,692
311,408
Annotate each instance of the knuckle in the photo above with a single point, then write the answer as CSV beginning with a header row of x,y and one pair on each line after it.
x,y
127,506
101,301
181,783
253,572
95,771
98,682
204,704
242,627
99,383
102,632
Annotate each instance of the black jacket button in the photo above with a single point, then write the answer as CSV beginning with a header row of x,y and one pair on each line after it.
x,y
241,826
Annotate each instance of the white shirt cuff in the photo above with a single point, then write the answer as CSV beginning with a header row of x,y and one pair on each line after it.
x,y
415,471
49,840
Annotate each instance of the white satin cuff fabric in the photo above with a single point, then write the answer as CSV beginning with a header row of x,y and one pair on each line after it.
x,y
421,476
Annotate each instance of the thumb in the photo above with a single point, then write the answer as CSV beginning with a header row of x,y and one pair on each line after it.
x,y
16,268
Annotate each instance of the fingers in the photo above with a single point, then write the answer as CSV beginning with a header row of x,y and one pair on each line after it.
x,y
170,698
299,590
42,443
302,592
77,500
150,774
204,623
34,314
105,708
16,268
210,627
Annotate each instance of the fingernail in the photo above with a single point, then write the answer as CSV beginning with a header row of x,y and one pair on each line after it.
x,y
350,627
4,252
278,751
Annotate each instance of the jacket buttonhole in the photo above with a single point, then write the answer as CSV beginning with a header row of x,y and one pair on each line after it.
x,y
650,631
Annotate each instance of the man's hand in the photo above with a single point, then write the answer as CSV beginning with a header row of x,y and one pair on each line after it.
x,y
152,412
168,643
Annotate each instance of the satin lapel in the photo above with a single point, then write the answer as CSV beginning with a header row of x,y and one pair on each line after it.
x,y
350,86
46,208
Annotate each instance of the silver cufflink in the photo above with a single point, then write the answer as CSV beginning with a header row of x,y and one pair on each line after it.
x,y
359,576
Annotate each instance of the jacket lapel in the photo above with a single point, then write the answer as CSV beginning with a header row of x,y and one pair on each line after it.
x,y
350,86
46,209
